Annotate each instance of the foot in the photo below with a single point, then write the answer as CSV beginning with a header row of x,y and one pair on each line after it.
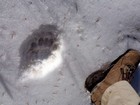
x,y
123,69
94,78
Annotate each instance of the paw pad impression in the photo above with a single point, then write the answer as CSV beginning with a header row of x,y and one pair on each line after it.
x,y
41,52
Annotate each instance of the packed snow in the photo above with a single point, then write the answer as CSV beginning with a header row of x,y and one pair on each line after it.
x,y
93,32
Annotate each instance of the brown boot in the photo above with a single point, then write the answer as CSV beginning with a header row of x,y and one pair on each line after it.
x,y
122,70
94,78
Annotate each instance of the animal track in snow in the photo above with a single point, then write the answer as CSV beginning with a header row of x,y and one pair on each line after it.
x,y
40,52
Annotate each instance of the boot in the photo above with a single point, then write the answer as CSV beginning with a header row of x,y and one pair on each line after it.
x,y
121,69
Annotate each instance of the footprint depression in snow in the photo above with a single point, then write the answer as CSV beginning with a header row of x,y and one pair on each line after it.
x,y
41,52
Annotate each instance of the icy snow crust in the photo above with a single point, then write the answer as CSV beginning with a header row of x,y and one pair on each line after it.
x,y
93,32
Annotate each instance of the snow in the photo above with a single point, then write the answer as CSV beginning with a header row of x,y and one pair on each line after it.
x,y
43,67
94,32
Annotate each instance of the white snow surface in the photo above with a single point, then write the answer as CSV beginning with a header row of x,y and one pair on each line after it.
x,y
94,32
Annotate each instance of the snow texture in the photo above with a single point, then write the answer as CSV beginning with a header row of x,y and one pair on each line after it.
x,y
93,32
